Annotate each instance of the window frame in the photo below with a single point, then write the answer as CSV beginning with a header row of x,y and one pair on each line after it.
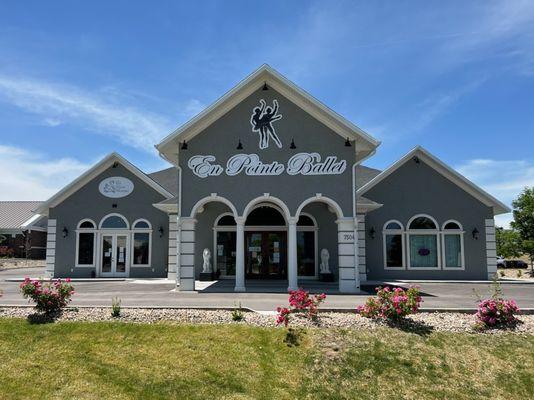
x,y
452,232
114,229
392,232
417,232
135,230
92,230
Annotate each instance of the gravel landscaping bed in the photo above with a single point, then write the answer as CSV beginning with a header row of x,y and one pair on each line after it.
x,y
421,323
16,263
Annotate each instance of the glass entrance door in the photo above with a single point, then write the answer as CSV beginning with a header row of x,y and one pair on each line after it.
x,y
114,260
266,255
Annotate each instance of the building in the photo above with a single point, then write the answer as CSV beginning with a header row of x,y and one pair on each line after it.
x,y
268,183
22,233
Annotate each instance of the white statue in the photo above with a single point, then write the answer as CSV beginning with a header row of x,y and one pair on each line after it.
x,y
324,267
206,267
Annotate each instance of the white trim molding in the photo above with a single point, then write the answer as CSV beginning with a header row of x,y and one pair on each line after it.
x,y
418,232
453,232
51,248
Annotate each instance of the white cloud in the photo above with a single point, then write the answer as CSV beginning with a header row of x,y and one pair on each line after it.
x,y
27,175
504,179
58,104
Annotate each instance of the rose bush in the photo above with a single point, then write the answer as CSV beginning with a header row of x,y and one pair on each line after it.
x,y
48,297
392,304
300,301
497,312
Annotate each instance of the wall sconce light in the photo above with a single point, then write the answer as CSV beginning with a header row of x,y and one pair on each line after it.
x,y
65,232
115,164
416,160
265,87
184,145
347,143
292,145
114,205
475,234
372,232
160,230
239,145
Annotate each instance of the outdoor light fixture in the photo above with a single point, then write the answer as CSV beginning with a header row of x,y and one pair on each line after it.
x,y
475,234
416,160
160,230
292,145
347,143
184,146
239,145
265,87
115,164
65,232
114,205
372,232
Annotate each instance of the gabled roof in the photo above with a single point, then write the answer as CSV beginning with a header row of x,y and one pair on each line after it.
x,y
92,173
365,144
16,214
449,173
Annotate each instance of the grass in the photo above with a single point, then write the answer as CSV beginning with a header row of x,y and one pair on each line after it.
x,y
133,361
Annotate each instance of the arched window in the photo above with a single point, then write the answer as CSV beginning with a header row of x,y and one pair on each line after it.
x,y
85,243
453,245
142,243
224,241
307,252
114,221
423,244
393,239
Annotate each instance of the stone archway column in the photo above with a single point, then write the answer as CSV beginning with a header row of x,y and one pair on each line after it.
x,y
292,270
240,255
349,278
186,255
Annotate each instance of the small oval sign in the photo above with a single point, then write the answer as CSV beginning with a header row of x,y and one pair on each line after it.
x,y
116,187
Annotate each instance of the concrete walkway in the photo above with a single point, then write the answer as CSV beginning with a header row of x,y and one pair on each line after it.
x,y
261,296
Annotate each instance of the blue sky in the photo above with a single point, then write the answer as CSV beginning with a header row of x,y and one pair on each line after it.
x,y
80,79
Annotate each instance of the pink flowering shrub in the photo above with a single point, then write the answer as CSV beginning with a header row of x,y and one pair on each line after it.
x,y
300,301
391,304
48,297
497,312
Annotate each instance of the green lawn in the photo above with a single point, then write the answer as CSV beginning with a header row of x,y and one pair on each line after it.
x,y
129,361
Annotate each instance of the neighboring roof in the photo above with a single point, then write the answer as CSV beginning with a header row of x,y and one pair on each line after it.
x,y
168,178
365,144
365,174
14,214
93,172
449,173
363,204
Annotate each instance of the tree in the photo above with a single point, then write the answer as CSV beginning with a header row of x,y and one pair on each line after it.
x,y
524,221
508,243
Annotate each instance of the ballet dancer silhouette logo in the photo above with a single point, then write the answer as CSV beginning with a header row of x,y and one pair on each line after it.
x,y
262,123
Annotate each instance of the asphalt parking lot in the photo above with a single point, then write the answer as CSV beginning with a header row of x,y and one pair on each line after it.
x,y
261,296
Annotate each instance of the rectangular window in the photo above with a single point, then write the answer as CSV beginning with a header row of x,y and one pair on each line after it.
x,y
86,247
306,253
141,251
394,251
453,251
424,251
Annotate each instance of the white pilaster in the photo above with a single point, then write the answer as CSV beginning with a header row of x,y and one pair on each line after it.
x,y
360,242
491,252
240,255
292,270
186,259
173,253
51,248
349,279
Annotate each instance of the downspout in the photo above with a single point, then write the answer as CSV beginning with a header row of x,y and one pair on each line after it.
x,y
179,226
356,245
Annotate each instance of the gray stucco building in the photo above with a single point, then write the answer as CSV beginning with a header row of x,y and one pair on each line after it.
x,y
268,183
